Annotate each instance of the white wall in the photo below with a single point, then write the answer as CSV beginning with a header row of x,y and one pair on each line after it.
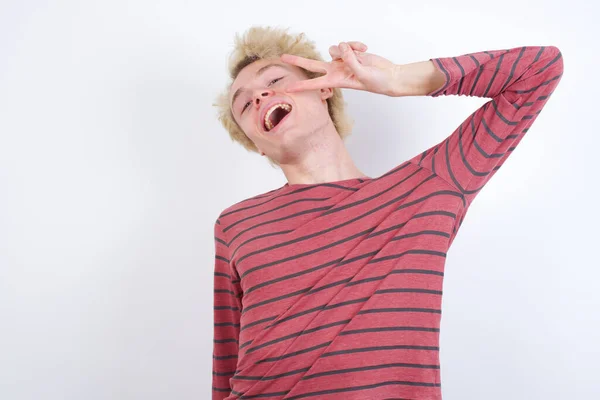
x,y
113,169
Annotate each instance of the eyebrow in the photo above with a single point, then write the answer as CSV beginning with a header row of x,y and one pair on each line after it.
x,y
258,73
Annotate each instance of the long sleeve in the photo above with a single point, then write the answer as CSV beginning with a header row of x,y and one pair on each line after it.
x,y
519,82
227,311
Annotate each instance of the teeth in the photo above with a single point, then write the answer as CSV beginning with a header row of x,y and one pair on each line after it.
x,y
267,121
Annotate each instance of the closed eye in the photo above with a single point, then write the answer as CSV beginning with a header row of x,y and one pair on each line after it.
x,y
270,83
275,80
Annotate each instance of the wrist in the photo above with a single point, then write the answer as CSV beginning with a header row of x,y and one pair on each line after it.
x,y
398,83
416,79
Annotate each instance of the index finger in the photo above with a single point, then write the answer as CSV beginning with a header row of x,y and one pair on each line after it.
x,y
306,63
308,84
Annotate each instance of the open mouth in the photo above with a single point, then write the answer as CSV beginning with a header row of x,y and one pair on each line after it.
x,y
275,115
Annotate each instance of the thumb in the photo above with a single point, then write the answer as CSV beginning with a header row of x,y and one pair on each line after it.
x,y
349,58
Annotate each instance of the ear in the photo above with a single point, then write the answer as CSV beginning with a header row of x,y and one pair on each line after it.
x,y
326,93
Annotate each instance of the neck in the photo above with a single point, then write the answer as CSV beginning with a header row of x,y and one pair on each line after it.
x,y
325,159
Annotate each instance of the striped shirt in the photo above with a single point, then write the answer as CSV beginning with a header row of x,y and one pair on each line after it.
x,y
331,290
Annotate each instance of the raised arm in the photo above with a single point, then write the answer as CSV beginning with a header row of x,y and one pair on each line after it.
x,y
518,81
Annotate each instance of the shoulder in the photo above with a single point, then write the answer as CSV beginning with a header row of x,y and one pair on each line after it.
x,y
244,207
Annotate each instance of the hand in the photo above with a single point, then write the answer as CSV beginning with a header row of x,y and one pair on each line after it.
x,y
350,68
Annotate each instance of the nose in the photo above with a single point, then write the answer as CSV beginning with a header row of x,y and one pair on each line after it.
x,y
261,95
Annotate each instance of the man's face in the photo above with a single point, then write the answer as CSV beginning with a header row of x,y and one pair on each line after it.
x,y
279,132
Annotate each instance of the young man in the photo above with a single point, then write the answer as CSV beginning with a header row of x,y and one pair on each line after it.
x,y
330,286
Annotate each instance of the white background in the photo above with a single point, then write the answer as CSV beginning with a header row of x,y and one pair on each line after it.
x,y
113,169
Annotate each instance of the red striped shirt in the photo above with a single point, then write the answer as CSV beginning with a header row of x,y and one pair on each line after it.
x,y
335,289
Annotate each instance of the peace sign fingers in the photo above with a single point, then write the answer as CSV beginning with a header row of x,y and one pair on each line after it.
x,y
307,64
309,84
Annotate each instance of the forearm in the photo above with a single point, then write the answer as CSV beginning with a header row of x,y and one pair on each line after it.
x,y
482,74
416,79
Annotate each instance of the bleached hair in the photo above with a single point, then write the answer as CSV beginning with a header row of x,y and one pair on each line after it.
x,y
259,43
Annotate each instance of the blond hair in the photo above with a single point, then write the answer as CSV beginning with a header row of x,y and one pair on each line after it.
x,y
259,43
